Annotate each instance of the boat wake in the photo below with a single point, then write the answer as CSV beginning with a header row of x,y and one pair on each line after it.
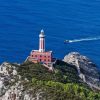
x,y
81,40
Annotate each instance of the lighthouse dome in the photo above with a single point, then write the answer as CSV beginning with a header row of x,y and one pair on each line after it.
x,y
42,34
42,31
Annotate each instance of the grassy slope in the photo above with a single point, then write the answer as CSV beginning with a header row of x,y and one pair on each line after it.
x,y
62,84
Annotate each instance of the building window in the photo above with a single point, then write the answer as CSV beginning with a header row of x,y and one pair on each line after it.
x,y
44,59
40,60
48,56
32,55
35,55
40,55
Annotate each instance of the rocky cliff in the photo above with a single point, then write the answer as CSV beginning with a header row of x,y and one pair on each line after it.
x,y
87,70
12,86
30,81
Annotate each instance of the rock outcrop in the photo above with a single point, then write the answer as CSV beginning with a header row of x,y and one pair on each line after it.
x,y
87,70
11,85
30,81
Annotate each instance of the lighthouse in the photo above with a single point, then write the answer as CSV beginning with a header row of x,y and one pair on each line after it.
x,y
42,41
41,55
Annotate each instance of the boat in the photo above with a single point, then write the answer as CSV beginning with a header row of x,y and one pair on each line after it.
x,y
66,41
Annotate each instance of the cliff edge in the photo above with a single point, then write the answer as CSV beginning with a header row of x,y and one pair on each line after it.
x,y
86,69
68,81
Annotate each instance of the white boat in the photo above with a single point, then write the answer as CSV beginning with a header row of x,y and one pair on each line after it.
x,y
66,41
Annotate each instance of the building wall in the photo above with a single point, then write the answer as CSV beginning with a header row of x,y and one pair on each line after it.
x,y
45,57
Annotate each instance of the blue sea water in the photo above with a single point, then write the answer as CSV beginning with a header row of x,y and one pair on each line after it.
x,y
22,20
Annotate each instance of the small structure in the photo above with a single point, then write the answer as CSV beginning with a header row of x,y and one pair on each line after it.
x,y
41,56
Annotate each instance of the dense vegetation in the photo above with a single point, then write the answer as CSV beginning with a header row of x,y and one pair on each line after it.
x,y
62,84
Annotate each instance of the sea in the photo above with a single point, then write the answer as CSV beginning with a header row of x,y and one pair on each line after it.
x,y
77,21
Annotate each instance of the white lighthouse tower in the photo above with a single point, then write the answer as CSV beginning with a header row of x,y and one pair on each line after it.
x,y
42,41
41,56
